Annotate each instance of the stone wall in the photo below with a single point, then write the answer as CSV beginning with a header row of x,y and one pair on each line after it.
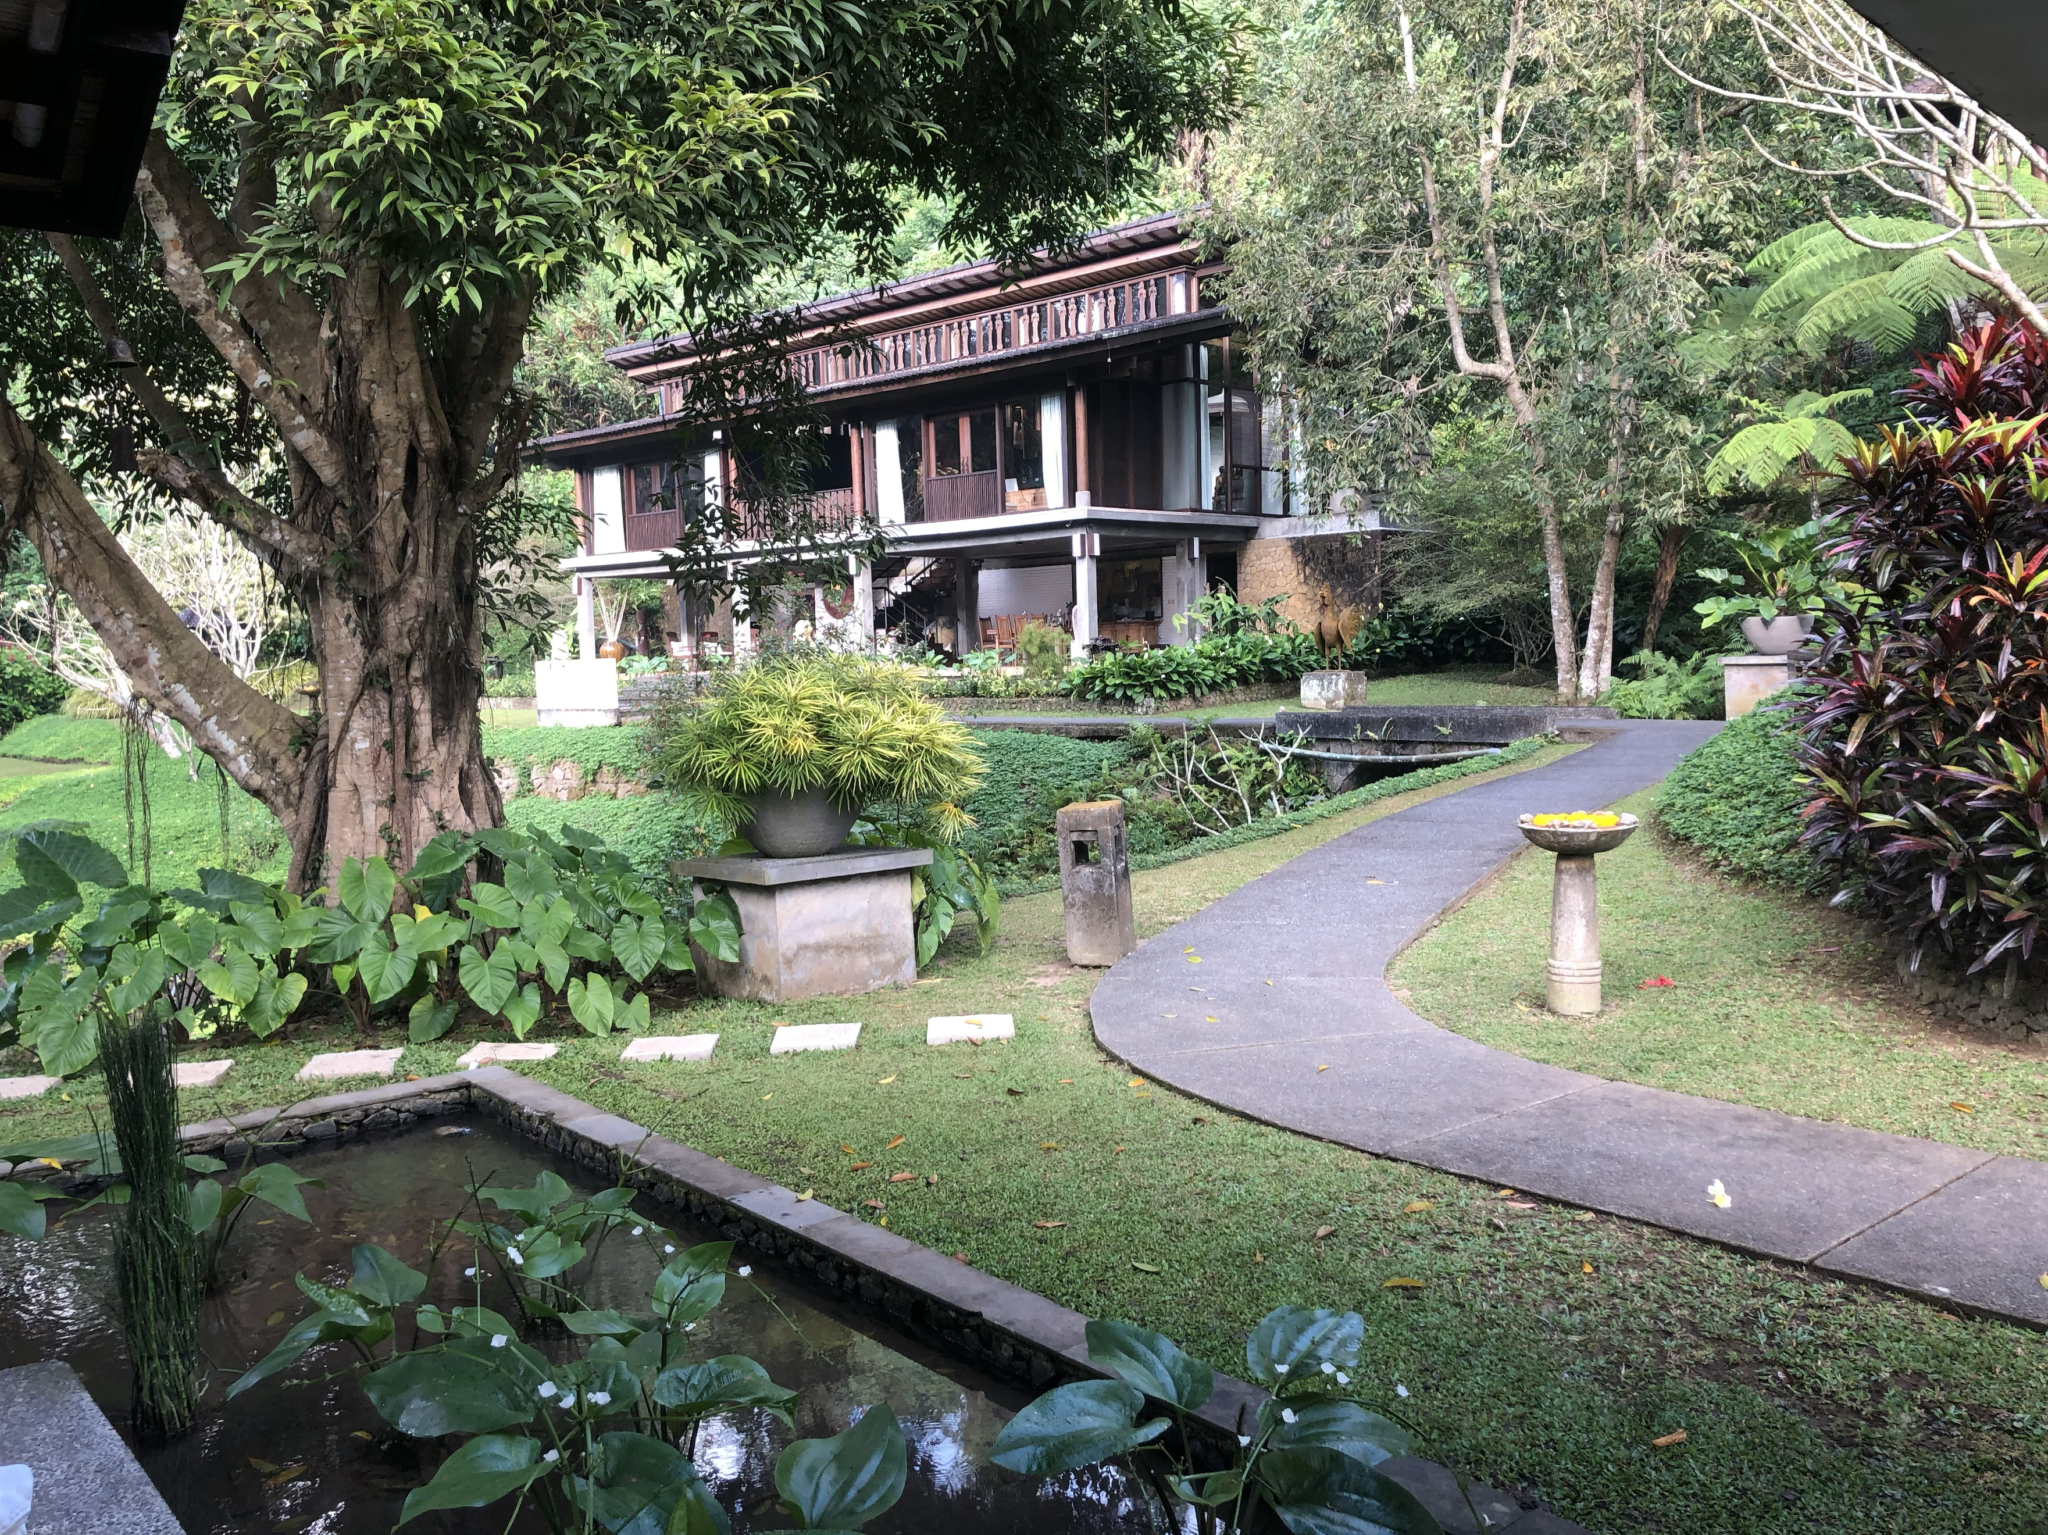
x,y
1299,568
1978,1001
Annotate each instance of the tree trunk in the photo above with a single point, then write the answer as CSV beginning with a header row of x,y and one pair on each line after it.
x,y
1670,544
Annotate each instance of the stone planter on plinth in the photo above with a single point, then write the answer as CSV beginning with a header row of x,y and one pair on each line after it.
x,y
833,925
1747,681
1574,988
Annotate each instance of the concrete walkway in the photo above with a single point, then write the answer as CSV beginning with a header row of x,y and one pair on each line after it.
x,y
1965,1227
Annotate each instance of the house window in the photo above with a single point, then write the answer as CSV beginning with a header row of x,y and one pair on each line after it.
x,y
665,487
1023,456
964,444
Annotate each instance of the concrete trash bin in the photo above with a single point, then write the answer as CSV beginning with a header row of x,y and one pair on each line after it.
x,y
1095,882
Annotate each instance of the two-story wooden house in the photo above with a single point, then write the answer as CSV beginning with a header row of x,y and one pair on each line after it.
x,y
1083,444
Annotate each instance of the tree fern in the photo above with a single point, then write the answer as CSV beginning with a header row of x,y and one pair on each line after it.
x,y
1800,432
1863,310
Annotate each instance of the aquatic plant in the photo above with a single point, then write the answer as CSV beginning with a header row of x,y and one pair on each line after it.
x,y
604,1440
156,1257
1308,1458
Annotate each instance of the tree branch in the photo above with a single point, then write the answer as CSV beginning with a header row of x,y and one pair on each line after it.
x,y
189,469
249,735
187,231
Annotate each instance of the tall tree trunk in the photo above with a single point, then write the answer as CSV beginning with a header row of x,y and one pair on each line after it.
x,y
1670,544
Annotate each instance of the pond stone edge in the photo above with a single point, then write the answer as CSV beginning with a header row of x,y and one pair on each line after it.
x,y
1011,1332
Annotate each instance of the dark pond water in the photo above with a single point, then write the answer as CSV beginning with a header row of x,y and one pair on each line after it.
x,y
315,1459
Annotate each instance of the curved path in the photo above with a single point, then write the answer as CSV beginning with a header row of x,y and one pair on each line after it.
x,y
1308,1037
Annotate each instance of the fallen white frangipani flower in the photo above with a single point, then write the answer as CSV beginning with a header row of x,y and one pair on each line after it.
x,y
1718,1195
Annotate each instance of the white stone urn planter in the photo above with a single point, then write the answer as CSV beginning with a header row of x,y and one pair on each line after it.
x,y
1781,636
1574,974
805,825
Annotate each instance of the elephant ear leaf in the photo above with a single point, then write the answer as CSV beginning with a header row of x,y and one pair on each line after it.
x,y
59,860
1320,1491
1074,1426
1152,1362
842,1482
489,1467
1293,1340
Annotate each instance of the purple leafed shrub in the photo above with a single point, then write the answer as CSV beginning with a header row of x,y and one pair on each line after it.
x,y
1927,738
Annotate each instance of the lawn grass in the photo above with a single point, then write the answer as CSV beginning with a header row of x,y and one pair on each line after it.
x,y
1544,1349
1780,1002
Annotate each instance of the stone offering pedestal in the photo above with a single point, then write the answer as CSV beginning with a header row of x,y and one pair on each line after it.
x,y
576,692
1574,975
833,925
1333,690
1748,680
1095,882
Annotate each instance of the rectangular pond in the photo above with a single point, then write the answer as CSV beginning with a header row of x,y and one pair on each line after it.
x,y
304,1453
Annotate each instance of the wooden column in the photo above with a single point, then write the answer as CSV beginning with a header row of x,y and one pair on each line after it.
x,y
857,451
1083,491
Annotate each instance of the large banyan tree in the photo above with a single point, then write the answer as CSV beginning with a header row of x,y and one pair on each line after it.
x,y
345,222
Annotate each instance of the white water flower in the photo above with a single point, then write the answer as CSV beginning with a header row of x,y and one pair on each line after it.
x,y
1244,1441
1343,1379
638,1229
568,1400
547,1388
689,1327
746,1270
1328,1368
1279,1369
513,1254
469,1273
1400,1391
1287,1415
552,1455
668,1247
497,1340
598,1398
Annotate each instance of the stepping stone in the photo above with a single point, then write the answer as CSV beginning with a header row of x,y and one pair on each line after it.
x,y
815,1036
975,1026
670,1047
200,1073
26,1087
490,1054
337,1064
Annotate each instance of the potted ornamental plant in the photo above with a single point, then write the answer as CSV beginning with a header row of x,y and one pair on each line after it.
x,y
792,748
1784,581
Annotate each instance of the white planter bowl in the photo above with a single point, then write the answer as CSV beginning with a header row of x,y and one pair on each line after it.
x,y
1780,637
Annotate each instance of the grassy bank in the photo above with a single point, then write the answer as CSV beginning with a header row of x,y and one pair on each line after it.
x,y
1544,1348
1779,1002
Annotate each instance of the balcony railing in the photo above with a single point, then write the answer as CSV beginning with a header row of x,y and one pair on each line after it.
x,y
951,497
1066,317
659,529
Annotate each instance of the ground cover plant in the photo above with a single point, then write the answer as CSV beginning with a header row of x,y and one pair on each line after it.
x,y
1779,1001
1811,1407
1740,798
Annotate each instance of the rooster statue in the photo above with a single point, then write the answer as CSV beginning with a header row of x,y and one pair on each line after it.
x,y
1334,627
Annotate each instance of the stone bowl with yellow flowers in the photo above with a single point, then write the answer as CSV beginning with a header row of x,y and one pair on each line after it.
x,y
1578,833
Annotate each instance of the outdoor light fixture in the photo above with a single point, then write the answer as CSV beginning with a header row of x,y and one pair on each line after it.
x,y
79,81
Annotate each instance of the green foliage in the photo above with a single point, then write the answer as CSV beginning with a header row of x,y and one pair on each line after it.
x,y
26,689
596,1434
803,720
952,885
568,915
1310,1457
1211,664
1042,652
1798,433
1784,570
1739,799
1667,689
1031,774
651,830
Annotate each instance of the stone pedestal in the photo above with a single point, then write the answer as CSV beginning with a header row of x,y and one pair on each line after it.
x,y
1748,680
833,925
1333,690
1095,882
577,692
1574,973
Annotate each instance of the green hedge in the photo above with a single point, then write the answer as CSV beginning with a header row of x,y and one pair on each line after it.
x,y
526,747
650,829
1738,800
26,690
1030,775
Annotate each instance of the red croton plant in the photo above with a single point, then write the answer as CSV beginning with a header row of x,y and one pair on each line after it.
x,y
1927,735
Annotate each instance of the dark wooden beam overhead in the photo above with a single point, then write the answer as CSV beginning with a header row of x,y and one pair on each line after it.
x,y
1993,49
79,81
